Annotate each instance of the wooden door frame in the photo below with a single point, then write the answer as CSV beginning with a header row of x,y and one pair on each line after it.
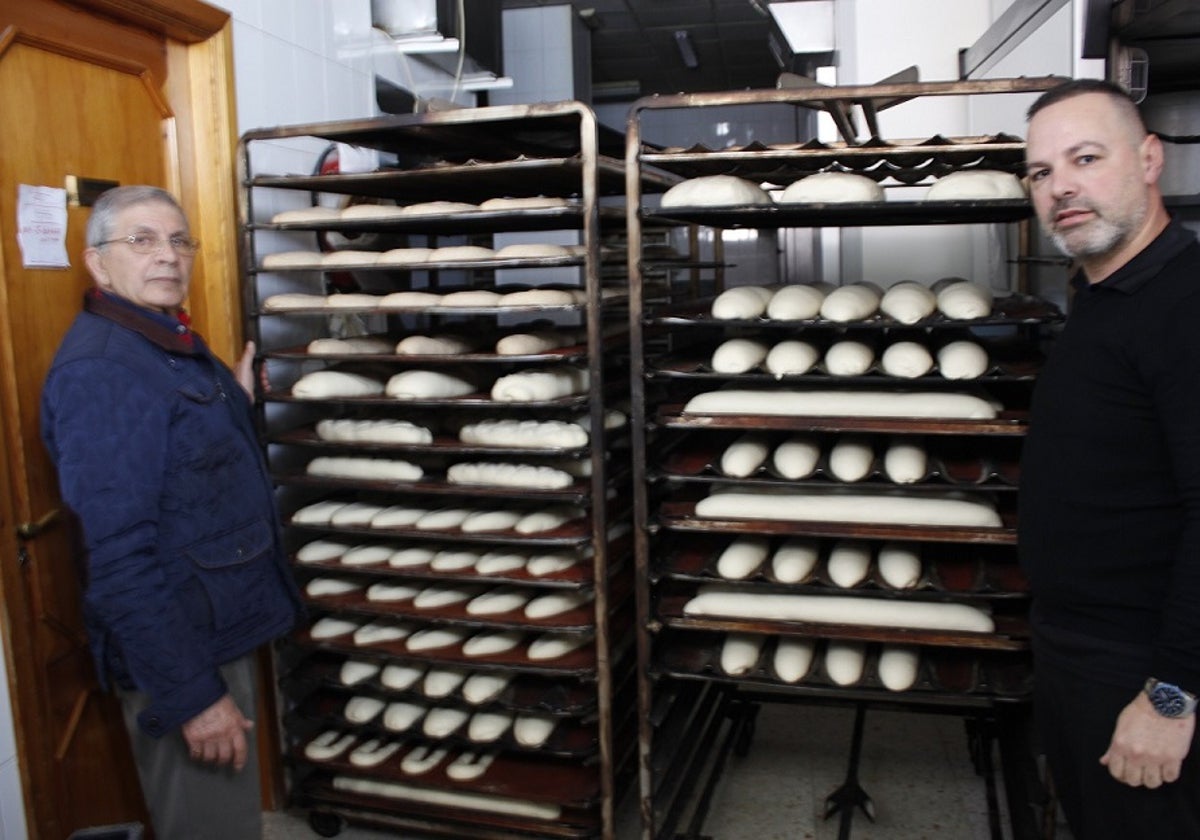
x,y
201,139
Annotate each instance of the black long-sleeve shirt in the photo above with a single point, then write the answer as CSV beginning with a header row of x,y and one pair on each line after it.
x,y
1109,518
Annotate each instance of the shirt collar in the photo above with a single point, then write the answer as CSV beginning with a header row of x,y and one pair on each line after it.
x,y
171,333
1146,263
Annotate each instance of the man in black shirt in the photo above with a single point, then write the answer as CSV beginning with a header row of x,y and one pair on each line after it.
x,y
1109,521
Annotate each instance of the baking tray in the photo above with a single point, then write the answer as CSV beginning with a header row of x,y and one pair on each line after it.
x,y
570,217
848,214
573,533
576,493
1007,422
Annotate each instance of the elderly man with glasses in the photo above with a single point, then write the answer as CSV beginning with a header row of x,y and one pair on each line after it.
x,y
185,570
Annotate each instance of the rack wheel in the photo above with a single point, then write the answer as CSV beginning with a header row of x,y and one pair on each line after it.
x,y
325,823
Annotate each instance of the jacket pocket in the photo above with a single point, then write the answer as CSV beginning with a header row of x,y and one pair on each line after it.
x,y
233,569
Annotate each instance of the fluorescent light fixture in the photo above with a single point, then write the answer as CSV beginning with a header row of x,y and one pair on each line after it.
x,y
686,50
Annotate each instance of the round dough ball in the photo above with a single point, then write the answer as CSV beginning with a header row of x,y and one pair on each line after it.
x,y
848,563
899,565
962,360
962,300
795,559
908,302
853,302
791,358
800,302
743,557
738,355
851,458
976,185
898,665
905,461
745,455
715,191
796,457
832,188
844,662
742,302
848,358
906,359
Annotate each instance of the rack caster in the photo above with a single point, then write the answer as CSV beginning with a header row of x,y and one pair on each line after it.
x,y
325,823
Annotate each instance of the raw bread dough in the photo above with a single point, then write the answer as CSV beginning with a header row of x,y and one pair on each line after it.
x,y
738,355
556,645
532,250
906,359
441,723
293,300
427,385
905,461
962,300
434,345
354,671
328,745
800,302
743,557
556,603
796,457
306,214
461,253
791,358
745,455
437,208
533,730
362,709
354,514
329,627
975,185
793,658
318,551
399,717
485,802
502,599
373,753
831,188
435,597
369,212
366,555
404,256
422,758
962,360
323,587
844,661
742,303
544,297
843,404
401,677
442,682
898,666
852,302
899,565
540,385
908,302
795,559
472,298
392,592
500,562
374,469
740,652
525,476
292,259
715,191
318,513
443,519
525,434
373,431
407,558
432,638
529,344
483,688
839,609
549,564
803,505
490,644
378,633
851,458
490,520
848,358
353,345
329,384
486,727
848,563
537,202
468,766
396,516
548,519
409,300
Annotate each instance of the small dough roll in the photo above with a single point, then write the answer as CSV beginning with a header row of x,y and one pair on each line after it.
x,y
795,559
898,665
540,385
962,360
793,658
486,727
740,652
397,516
483,688
330,384
404,256
742,303
533,730
851,458
848,563
434,345
844,661
401,677
908,302
796,457
791,358
532,343
715,191
848,358
962,300
556,603
853,302
899,565
976,185
905,461
745,455
799,302
442,682
832,188
906,359
738,355
426,385
292,259
743,557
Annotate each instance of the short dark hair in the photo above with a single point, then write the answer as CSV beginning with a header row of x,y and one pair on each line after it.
x,y
1078,87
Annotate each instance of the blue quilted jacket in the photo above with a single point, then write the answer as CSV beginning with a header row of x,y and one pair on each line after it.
x,y
156,454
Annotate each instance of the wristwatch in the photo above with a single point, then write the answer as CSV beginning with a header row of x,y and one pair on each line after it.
x,y
1169,700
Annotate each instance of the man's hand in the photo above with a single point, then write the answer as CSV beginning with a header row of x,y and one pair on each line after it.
x,y
244,371
1147,748
218,734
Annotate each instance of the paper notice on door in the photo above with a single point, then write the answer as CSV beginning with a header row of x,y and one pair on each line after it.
x,y
42,226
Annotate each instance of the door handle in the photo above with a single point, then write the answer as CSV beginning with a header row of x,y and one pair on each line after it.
x,y
29,530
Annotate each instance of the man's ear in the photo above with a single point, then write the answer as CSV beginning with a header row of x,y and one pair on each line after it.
x,y
95,267
1151,152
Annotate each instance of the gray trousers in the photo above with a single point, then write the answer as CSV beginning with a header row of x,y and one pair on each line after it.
x,y
189,800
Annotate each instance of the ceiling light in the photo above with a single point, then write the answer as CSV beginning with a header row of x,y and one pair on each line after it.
x,y
686,51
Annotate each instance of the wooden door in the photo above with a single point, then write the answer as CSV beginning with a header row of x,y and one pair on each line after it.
x,y
83,95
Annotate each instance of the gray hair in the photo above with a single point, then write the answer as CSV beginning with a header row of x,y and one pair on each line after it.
x,y
111,202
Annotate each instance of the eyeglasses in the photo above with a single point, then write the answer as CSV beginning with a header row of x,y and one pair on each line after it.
x,y
148,243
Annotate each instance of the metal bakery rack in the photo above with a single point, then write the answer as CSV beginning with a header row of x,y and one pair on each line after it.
x,y
467,666
696,707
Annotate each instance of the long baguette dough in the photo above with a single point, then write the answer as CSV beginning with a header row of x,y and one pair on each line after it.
x,y
489,803
427,384
490,644
556,645
376,469
525,434
293,300
434,345
327,384
962,300
803,505
373,431
547,519
319,551
481,521
799,302
366,555
842,403
535,476
352,345
499,562
740,652
556,603
531,343
317,513
839,609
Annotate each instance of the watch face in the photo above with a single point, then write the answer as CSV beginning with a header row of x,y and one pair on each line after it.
x,y
1168,700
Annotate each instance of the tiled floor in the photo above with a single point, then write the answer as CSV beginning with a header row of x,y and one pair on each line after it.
x,y
915,767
